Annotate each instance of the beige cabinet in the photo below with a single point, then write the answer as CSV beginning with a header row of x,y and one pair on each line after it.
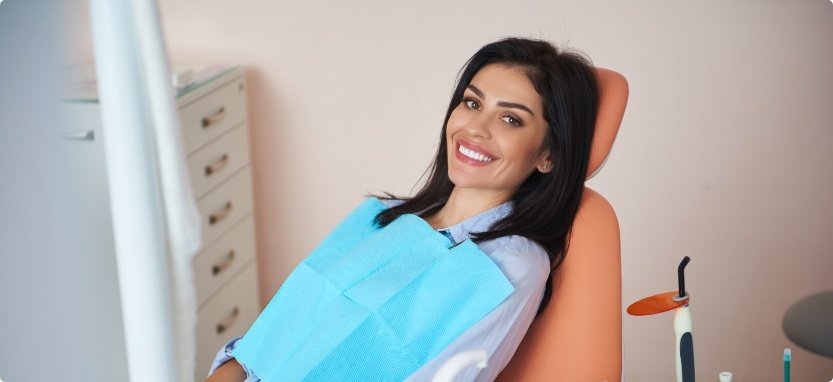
x,y
215,128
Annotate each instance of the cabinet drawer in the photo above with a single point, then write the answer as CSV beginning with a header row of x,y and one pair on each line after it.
x,y
225,205
213,114
216,264
226,315
215,162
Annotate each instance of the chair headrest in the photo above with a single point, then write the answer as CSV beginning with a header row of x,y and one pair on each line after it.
x,y
613,97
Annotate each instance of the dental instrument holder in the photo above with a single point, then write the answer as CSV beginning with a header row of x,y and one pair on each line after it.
x,y
679,301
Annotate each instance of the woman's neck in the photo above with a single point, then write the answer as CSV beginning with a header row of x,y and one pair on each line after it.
x,y
464,203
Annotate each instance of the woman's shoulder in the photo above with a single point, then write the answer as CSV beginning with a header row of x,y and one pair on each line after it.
x,y
519,258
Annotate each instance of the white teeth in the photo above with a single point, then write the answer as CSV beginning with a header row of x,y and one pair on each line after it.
x,y
473,154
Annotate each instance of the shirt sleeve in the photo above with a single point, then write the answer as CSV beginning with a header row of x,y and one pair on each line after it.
x,y
225,354
526,265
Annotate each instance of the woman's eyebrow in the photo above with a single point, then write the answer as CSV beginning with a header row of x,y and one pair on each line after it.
x,y
515,106
512,105
476,90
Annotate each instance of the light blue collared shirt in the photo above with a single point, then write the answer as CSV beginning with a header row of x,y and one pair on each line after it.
x,y
524,263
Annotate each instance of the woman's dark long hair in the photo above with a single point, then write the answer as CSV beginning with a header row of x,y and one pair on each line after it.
x,y
545,204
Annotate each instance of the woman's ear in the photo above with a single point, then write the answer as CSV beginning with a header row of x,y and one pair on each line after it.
x,y
545,164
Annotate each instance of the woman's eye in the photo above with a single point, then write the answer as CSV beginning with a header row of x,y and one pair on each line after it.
x,y
512,120
471,104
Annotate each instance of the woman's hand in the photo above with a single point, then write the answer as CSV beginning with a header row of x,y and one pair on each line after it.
x,y
230,371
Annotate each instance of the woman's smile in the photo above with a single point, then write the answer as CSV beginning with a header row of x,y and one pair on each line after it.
x,y
469,154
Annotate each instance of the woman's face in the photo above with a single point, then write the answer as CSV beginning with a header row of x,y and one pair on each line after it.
x,y
495,135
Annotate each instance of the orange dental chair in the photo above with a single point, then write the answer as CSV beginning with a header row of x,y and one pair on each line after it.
x,y
578,336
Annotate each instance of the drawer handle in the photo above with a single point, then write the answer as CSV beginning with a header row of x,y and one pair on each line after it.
x,y
217,217
213,118
216,166
228,321
217,268
86,135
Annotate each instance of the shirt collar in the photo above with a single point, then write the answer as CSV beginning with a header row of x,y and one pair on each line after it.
x,y
478,223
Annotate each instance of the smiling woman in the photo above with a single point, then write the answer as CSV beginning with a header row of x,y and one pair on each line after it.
x,y
404,284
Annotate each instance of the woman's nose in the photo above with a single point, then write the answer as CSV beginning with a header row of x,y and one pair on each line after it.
x,y
479,127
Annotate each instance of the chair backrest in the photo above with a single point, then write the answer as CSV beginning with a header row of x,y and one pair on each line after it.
x,y
578,337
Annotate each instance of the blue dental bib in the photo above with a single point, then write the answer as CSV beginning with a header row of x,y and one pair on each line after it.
x,y
372,304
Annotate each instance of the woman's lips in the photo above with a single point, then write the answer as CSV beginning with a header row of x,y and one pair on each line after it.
x,y
468,154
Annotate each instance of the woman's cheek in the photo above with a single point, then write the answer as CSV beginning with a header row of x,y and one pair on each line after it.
x,y
458,120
